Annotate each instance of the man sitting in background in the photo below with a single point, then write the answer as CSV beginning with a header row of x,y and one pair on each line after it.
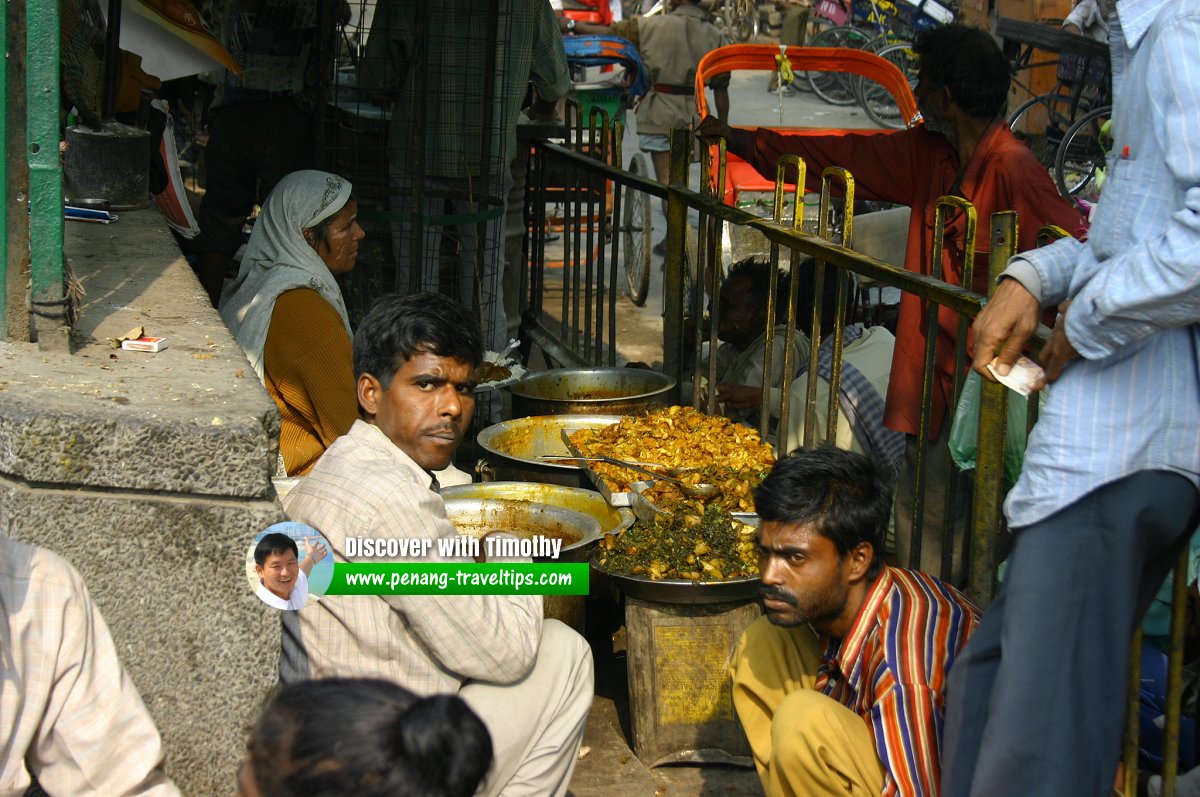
x,y
866,367
963,149
742,330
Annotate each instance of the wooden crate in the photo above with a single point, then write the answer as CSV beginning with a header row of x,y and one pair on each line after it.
x,y
680,694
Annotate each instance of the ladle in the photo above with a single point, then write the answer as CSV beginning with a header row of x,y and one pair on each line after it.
x,y
700,490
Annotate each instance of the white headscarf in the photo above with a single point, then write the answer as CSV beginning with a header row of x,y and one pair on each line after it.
x,y
278,259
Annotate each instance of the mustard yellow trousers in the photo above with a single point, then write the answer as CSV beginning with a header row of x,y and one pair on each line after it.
x,y
805,744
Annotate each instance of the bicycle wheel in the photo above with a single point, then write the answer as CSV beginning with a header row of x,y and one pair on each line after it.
x,y
1079,164
835,88
636,232
744,22
737,20
1041,123
815,27
877,101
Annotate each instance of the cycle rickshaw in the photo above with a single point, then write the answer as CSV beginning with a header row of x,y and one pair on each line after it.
x,y
737,182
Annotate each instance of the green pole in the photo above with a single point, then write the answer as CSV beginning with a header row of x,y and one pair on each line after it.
x,y
4,172
45,173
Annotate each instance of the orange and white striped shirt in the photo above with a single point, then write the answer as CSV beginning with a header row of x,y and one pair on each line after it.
x,y
891,669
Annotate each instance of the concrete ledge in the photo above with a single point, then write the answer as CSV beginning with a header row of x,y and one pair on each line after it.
x,y
191,419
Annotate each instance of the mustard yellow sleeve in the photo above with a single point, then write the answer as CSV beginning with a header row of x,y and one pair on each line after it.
x,y
310,372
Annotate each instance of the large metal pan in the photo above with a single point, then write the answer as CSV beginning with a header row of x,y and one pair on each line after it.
x,y
578,531
477,516
673,590
611,520
576,391
512,449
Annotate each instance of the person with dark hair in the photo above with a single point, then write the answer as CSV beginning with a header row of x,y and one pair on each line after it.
x,y
282,579
287,313
364,737
742,330
963,149
1109,491
863,379
529,679
840,686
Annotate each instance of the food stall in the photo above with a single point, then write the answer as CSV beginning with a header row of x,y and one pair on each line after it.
x,y
682,557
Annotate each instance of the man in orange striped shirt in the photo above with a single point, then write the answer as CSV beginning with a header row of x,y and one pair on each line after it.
x,y
840,687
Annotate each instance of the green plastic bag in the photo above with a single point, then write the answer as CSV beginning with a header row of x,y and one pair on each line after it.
x,y
964,431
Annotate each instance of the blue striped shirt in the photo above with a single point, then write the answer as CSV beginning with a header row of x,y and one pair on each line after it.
x,y
1132,402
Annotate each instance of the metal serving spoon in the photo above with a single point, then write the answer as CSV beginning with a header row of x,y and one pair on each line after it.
x,y
701,490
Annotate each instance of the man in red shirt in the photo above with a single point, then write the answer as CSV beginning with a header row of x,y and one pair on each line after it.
x,y
963,149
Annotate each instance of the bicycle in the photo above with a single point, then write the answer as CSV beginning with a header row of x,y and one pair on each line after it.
x,y
879,103
1082,88
737,19
873,26
1080,161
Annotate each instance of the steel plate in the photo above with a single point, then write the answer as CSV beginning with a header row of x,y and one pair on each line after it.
x,y
673,590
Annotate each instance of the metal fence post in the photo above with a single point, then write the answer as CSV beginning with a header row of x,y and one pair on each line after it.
x,y
993,415
45,177
673,293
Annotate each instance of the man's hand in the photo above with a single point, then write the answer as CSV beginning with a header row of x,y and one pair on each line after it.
x,y
711,130
1004,327
1058,351
314,550
739,397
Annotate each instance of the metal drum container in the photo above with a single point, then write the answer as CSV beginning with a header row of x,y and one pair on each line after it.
x,y
578,531
617,391
512,449
611,520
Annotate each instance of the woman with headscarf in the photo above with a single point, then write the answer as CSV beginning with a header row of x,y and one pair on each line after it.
x,y
286,311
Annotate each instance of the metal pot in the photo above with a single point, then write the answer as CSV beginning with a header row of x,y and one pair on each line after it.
x,y
578,531
527,519
611,519
512,449
621,391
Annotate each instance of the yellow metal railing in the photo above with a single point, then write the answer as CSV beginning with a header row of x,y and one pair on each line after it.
x,y
693,270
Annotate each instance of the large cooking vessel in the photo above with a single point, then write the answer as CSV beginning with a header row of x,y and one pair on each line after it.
x,y
611,519
615,391
578,531
478,516
512,449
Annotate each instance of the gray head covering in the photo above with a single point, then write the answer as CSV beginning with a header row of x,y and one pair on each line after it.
x,y
278,259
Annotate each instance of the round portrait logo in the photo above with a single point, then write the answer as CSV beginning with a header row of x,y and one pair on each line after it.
x,y
289,566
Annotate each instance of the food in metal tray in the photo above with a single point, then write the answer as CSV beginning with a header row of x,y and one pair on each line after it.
x,y
691,542
712,448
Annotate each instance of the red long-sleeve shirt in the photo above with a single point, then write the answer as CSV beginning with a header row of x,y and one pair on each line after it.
x,y
914,167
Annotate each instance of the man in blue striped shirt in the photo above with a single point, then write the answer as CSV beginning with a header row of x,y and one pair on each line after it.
x,y
1108,495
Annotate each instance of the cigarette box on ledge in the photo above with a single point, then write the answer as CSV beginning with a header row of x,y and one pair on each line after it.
x,y
145,343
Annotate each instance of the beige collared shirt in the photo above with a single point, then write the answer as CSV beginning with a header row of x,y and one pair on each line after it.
x,y
364,486
68,712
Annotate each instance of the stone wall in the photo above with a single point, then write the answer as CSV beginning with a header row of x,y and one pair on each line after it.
x,y
151,474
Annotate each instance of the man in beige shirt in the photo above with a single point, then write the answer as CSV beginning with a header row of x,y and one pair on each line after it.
x,y
528,679
69,715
